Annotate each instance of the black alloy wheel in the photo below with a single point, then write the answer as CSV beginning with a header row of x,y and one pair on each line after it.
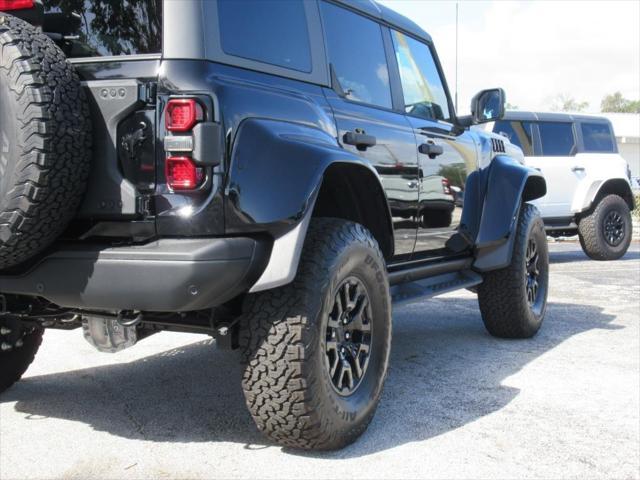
x,y
614,228
348,336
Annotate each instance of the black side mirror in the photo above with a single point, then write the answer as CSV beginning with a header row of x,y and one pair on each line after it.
x,y
488,106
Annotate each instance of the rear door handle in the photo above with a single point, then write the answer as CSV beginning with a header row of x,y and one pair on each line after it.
x,y
359,139
578,169
431,149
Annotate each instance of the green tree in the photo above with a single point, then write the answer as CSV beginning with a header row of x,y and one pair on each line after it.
x,y
566,103
615,102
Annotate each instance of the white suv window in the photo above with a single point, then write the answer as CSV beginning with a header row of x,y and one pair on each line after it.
x,y
557,139
597,137
518,133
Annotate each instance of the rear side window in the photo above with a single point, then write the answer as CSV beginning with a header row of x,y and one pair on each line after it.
x,y
273,32
356,52
597,137
557,139
94,28
518,133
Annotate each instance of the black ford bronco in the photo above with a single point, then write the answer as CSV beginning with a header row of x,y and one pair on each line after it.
x,y
274,174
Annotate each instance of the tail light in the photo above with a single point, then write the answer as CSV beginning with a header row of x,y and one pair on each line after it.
x,y
182,173
182,114
8,5
446,186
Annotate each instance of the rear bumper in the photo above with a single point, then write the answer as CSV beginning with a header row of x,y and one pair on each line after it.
x,y
169,275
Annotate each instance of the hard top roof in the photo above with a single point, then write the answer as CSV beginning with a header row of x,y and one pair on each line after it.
x,y
391,17
553,117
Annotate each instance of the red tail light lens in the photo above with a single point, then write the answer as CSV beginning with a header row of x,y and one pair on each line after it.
x,y
182,173
446,186
7,5
181,114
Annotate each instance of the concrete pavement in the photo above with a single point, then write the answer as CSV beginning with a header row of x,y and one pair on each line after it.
x,y
457,404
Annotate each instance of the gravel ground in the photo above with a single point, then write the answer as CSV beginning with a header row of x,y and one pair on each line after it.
x,y
457,404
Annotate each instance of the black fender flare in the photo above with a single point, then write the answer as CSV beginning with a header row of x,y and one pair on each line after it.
x,y
497,194
275,172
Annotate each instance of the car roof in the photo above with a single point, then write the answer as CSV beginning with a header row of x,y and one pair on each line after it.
x,y
386,15
552,117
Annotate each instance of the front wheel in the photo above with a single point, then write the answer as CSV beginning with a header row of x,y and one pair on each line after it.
x,y
605,233
513,300
317,350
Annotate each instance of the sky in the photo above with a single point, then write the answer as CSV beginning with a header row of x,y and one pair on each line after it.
x,y
535,50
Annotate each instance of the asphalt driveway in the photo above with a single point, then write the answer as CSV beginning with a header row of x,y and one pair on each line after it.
x,y
457,404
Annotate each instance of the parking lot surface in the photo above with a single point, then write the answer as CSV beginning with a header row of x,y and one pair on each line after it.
x,y
457,404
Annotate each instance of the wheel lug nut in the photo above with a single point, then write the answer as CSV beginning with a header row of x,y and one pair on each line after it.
x,y
19,343
5,331
333,334
347,336
5,347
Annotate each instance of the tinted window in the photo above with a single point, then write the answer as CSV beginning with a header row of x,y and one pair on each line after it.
x,y
597,137
518,133
557,139
424,94
268,31
356,52
105,27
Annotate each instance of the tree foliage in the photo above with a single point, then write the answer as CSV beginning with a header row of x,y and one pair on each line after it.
x,y
566,103
615,102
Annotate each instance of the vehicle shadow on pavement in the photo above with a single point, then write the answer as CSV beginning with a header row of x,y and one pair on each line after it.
x,y
445,372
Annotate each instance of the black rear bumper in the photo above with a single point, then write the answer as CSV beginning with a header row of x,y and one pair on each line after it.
x,y
169,275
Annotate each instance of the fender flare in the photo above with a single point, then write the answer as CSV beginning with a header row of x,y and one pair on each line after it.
x,y
600,187
276,170
500,191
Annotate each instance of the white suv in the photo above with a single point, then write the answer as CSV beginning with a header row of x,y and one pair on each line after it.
x,y
588,182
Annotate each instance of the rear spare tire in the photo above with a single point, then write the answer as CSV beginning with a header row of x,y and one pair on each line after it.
x,y
45,141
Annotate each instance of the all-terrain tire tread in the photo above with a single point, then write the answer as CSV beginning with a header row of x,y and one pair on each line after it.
x,y
54,140
588,226
278,341
14,363
501,295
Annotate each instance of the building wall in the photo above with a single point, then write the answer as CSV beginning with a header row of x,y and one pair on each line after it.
x,y
631,153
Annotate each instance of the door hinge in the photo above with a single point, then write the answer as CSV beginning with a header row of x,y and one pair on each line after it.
x,y
147,92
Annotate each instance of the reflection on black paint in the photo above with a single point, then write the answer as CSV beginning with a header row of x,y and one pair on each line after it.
x,y
106,27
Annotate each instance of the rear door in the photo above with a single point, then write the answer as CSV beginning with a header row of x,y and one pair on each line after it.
x,y
116,48
357,52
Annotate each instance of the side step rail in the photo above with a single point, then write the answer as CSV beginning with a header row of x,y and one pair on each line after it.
x,y
430,287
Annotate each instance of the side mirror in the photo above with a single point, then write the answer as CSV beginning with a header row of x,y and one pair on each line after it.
x,y
488,106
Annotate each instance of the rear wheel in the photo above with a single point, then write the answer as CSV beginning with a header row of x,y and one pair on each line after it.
x,y
18,347
605,233
513,300
317,350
